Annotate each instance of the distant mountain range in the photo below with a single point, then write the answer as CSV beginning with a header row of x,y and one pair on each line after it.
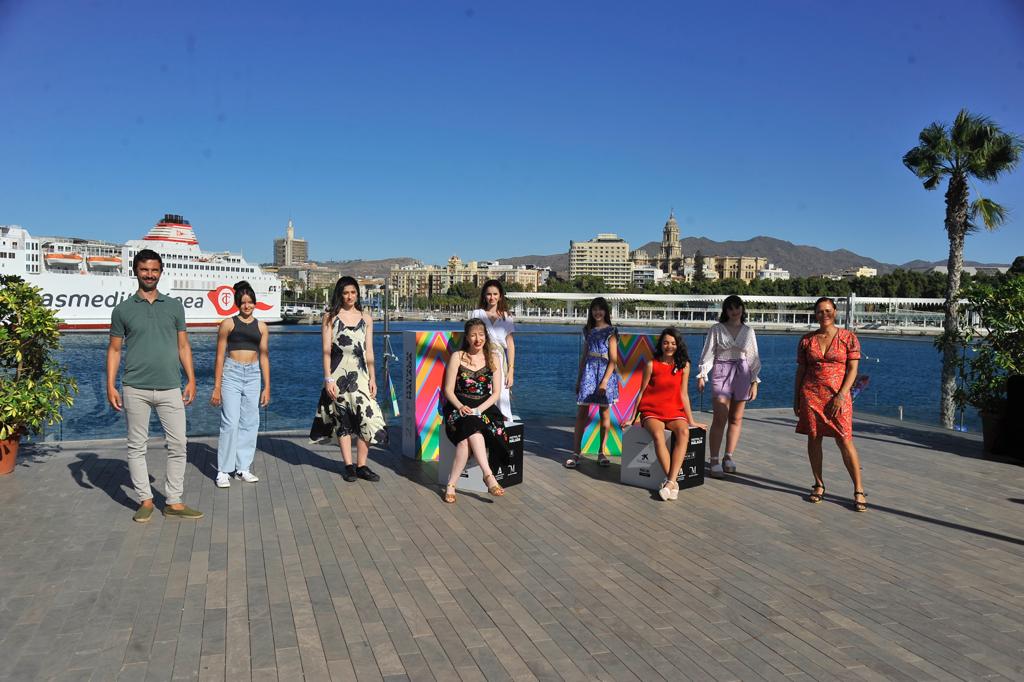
x,y
800,259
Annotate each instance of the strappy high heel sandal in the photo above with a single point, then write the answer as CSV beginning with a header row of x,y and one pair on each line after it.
x,y
495,490
666,492
673,490
449,497
815,497
860,506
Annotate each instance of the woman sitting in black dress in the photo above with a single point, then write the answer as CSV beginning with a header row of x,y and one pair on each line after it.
x,y
472,420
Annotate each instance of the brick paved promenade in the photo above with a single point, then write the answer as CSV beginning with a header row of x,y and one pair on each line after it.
x,y
570,576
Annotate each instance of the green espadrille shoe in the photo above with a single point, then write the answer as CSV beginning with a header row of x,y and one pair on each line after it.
x,y
143,514
186,512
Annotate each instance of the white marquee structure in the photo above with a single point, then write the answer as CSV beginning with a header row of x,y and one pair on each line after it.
x,y
782,313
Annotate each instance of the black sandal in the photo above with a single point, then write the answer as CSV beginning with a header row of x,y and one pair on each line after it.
x,y
814,497
860,506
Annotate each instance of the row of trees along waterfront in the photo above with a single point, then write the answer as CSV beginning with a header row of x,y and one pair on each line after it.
x,y
897,284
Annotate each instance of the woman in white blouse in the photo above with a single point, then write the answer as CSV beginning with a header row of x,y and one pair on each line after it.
x,y
730,356
500,326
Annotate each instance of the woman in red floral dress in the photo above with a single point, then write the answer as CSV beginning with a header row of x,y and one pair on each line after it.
x,y
827,362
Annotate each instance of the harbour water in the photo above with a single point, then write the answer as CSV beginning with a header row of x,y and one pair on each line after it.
x,y
904,373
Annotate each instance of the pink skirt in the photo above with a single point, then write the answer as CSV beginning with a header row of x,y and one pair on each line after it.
x,y
731,379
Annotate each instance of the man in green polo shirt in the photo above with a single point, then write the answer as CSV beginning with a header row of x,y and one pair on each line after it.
x,y
153,327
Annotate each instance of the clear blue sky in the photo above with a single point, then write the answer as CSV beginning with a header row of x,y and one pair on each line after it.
x,y
498,128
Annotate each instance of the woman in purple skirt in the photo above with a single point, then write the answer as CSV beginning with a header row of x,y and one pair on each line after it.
x,y
730,357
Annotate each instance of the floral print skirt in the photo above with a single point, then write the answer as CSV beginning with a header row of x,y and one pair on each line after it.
x,y
458,427
354,413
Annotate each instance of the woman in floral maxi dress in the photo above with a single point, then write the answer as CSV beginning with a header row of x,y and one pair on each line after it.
x,y
348,402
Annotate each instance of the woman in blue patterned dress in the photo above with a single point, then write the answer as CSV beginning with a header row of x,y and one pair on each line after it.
x,y
597,382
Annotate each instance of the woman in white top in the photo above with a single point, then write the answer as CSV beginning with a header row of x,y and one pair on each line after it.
x,y
500,326
730,356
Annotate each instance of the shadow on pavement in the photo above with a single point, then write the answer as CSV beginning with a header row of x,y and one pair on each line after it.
x,y
109,474
788,488
285,449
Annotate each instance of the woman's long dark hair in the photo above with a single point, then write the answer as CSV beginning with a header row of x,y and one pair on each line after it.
x,y
336,298
243,288
602,304
733,301
681,356
488,347
502,303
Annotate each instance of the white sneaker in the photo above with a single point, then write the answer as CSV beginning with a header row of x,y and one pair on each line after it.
x,y
223,480
248,476
728,466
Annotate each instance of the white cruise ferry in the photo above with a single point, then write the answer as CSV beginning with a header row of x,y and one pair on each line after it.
x,y
82,279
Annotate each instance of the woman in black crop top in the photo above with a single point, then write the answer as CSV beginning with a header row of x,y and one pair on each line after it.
x,y
242,358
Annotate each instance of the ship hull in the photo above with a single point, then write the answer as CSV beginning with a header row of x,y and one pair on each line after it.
x,y
85,302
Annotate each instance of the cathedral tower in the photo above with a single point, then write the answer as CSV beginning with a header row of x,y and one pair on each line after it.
x,y
671,253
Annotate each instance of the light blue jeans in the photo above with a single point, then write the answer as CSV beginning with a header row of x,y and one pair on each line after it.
x,y
239,415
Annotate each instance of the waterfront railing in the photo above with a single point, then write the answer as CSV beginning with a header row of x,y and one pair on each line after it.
x,y
904,378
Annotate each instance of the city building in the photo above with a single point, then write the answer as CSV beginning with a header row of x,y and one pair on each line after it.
x,y
605,256
640,257
670,255
543,273
689,270
745,268
289,250
671,260
862,271
772,272
307,277
647,274
321,278
292,277
433,280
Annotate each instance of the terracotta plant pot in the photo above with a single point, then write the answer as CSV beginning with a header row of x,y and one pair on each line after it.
x,y
8,455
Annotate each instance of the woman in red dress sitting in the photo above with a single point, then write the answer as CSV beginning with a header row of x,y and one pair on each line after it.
x,y
827,362
664,403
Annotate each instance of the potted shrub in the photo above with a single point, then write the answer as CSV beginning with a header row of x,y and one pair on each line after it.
x,y
33,387
995,337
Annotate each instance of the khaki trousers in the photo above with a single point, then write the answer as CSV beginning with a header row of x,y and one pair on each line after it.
x,y
138,405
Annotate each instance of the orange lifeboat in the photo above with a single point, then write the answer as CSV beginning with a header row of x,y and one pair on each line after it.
x,y
103,262
57,258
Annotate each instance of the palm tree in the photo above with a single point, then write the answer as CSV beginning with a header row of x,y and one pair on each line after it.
x,y
974,147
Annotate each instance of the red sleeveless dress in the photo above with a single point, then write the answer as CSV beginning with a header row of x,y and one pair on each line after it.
x,y
663,398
